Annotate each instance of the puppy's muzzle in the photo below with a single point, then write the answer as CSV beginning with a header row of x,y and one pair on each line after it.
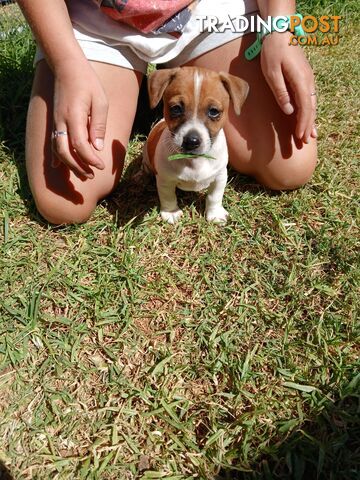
x,y
191,141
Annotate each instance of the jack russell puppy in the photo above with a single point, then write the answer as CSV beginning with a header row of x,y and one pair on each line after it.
x,y
196,103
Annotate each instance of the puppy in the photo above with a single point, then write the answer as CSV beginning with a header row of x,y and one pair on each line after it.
x,y
196,103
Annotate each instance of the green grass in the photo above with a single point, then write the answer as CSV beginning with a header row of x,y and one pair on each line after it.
x,y
130,349
349,8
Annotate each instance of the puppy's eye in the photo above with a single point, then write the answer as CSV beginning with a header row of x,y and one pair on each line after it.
x,y
176,111
214,113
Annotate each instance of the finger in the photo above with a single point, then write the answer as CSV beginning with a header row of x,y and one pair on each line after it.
x,y
61,151
97,124
276,81
79,139
299,84
304,111
314,133
311,130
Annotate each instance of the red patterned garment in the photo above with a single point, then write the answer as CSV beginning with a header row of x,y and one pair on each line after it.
x,y
158,16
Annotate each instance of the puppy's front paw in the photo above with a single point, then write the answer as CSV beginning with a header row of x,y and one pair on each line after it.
x,y
171,217
217,215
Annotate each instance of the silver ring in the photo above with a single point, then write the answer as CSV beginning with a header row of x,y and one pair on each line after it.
x,y
59,133
313,94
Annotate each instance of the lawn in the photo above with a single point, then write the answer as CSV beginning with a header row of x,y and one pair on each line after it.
x,y
131,349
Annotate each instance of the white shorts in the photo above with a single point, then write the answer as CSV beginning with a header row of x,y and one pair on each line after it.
x,y
105,40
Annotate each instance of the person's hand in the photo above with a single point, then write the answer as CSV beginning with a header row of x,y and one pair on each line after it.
x,y
291,80
80,110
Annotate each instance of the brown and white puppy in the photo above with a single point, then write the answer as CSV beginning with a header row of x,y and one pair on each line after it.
x,y
196,103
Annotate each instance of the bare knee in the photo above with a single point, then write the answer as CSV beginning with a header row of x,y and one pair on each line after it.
x,y
288,174
60,213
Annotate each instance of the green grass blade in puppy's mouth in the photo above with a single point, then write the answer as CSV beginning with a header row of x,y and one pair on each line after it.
x,y
178,156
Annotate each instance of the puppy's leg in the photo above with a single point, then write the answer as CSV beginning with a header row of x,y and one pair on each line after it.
x,y
214,211
169,209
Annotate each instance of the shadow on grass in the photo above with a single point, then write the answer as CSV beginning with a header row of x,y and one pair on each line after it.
x,y
16,73
326,447
4,472
132,199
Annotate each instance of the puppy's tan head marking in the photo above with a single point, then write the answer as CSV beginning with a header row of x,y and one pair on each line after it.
x,y
157,83
237,88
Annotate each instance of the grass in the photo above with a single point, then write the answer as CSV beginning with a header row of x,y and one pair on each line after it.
x,y
130,349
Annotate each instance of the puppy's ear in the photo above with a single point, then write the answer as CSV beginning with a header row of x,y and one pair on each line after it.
x,y
237,88
157,83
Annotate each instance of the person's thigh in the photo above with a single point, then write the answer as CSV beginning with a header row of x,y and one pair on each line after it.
x,y
261,140
60,195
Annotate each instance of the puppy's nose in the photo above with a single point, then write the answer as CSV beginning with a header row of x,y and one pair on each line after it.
x,y
191,141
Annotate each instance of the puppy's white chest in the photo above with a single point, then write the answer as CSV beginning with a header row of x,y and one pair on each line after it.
x,y
196,174
189,186
192,174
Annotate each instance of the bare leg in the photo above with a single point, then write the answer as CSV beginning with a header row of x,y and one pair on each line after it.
x,y
60,195
260,140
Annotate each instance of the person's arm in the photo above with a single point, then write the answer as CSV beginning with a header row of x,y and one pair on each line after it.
x,y
78,95
288,72
51,26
